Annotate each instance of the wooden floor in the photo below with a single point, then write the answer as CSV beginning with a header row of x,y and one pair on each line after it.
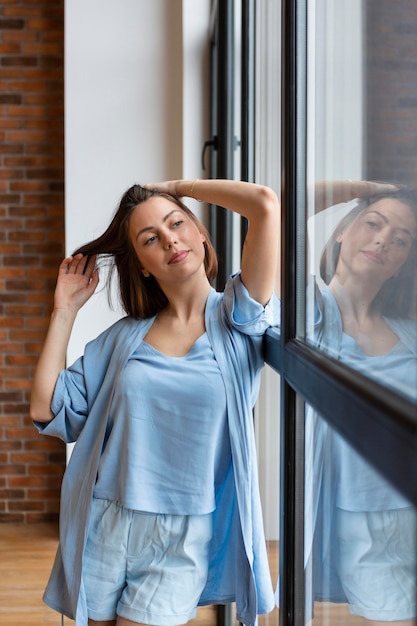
x,y
26,557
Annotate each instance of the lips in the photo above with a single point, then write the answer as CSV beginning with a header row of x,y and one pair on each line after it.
x,y
375,257
178,257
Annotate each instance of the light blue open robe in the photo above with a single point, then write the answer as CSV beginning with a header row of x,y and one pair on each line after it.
x,y
239,570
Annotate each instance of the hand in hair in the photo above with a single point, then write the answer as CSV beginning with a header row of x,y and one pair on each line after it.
x,y
77,281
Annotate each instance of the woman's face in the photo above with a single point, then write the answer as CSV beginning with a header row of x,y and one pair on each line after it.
x,y
167,242
378,241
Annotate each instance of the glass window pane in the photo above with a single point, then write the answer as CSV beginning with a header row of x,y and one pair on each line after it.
x,y
360,536
362,201
268,448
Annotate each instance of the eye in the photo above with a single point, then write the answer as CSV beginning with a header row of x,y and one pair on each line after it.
x,y
372,223
150,240
177,223
399,241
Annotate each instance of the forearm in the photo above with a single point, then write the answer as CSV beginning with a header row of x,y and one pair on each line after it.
x,y
246,199
51,361
328,193
260,206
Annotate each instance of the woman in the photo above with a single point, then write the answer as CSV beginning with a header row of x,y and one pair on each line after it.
x,y
160,506
364,531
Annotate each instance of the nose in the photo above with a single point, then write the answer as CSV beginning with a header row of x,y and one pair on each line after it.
x,y
381,238
169,240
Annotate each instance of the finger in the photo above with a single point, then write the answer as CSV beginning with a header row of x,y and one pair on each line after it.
x,y
65,263
371,188
167,186
78,264
90,265
94,280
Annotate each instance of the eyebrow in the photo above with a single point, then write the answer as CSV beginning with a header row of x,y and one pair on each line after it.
x,y
164,219
403,230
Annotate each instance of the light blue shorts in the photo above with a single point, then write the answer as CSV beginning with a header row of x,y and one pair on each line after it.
x,y
377,562
148,568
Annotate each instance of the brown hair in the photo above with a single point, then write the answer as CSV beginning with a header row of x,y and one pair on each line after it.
x,y
140,297
397,295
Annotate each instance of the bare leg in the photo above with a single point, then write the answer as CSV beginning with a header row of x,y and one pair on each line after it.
x,y
122,621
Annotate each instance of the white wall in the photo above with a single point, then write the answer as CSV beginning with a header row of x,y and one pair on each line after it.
x,y
136,88
136,94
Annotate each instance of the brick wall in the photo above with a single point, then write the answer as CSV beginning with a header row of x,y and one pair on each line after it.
x,y
391,82
31,243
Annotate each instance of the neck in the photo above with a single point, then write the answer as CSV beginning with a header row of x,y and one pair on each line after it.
x,y
354,299
187,301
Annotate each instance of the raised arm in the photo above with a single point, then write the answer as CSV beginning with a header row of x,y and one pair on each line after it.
x,y
77,281
260,206
327,193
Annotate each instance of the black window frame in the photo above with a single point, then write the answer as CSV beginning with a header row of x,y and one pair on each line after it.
x,y
378,423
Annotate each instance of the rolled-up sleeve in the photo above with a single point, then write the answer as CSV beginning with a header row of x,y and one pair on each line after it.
x,y
246,314
69,405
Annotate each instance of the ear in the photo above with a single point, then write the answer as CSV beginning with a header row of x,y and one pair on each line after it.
x,y
145,272
339,238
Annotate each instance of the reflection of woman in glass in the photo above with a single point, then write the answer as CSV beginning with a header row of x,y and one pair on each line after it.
x,y
364,530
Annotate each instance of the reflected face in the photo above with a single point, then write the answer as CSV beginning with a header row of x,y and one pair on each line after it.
x,y
378,241
167,242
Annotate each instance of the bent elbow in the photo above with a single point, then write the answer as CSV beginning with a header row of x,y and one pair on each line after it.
x,y
269,201
40,413
268,195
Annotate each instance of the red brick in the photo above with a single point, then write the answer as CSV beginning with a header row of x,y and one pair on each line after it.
x,y
29,185
25,111
24,136
12,518
36,518
18,61
53,50
26,481
44,494
21,359
9,98
28,458
16,409
46,470
13,347
11,24
11,321
24,11
23,161
12,36
8,123
10,272
12,470
23,384
10,72
27,505
10,420
12,494
45,443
